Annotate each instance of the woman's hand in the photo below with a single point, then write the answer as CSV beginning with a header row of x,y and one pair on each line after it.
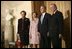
x,y
18,36
38,34
30,36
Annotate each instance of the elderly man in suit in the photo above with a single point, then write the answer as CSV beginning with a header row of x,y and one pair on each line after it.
x,y
55,26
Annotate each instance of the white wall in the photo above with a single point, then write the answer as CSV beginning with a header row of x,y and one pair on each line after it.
x,y
17,6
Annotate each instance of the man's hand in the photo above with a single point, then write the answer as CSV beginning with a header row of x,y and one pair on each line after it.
x,y
39,35
47,34
60,35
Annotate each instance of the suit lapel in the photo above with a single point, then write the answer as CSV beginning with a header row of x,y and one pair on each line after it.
x,y
39,19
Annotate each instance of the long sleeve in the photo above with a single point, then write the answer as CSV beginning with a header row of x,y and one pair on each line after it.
x,y
18,27
28,23
60,22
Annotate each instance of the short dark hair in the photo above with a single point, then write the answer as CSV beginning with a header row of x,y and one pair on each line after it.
x,y
23,12
43,6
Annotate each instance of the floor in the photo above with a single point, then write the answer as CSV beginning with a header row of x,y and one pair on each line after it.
x,y
8,45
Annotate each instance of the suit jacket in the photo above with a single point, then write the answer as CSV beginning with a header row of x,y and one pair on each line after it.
x,y
56,22
23,26
43,28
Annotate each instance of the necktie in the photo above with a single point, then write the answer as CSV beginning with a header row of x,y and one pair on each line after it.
x,y
41,18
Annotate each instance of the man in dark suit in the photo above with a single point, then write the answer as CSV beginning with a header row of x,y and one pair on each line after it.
x,y
23,29
43,27
55,26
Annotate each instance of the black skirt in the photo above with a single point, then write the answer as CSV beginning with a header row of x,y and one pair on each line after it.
x,y
24,38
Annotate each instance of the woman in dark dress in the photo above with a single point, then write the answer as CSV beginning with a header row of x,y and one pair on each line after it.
x,y
23,29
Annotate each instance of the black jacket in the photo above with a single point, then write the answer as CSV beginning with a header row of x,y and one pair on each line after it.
x,y
23,25
56,22
43,28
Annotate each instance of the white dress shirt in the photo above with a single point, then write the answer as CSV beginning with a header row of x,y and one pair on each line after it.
x,y
42,17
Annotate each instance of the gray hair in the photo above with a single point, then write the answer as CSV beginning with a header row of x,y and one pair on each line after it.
x,y
54,5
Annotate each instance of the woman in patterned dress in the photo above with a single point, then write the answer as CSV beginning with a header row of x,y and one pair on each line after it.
x,y
33,33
